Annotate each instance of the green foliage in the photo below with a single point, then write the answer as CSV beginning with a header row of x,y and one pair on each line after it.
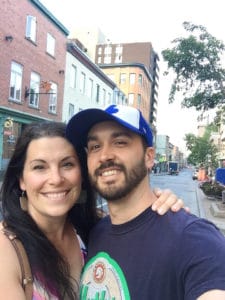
x,y
212,189
199,75
203,151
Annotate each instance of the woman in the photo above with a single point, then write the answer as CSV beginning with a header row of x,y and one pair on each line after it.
x,y
41,205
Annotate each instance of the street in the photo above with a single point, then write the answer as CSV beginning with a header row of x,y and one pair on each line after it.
x,y
182,185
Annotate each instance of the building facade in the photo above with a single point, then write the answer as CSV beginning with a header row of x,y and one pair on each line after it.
x,y
32,64
86,85
134,68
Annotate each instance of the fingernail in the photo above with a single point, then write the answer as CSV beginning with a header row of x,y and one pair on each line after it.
x,y
160,211
153,207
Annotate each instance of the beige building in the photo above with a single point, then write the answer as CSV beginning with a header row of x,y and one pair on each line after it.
x,y
134,68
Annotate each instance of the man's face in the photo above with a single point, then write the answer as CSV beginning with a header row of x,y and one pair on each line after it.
x,y
117,160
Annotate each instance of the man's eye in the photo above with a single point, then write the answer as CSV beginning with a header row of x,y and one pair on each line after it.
x,y
121,142
93,147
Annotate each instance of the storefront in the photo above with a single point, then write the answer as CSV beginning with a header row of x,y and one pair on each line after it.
x,y
11,124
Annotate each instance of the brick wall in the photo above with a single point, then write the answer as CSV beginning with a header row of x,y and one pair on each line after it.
x,y
32,56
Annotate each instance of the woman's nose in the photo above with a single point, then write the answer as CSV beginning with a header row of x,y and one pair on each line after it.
x,y
56,176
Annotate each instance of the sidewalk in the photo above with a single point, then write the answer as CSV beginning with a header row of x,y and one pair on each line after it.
x,y
209,210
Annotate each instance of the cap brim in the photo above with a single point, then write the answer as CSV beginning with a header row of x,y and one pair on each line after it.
x,y
79,125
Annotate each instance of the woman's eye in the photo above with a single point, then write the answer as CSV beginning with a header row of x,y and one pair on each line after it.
x,y
38,167
68,164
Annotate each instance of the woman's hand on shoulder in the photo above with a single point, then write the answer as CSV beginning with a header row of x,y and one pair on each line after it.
x,y
10,273
167,200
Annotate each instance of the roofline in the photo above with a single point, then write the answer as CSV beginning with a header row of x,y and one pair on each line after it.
x,y
46,12
138,65
73,49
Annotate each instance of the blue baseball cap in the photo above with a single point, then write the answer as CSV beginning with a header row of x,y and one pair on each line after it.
x,y
79,125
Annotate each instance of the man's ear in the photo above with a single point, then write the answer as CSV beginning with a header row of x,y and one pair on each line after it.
x,y
149,157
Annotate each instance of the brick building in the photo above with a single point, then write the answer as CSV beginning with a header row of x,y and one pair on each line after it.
x,y
32,64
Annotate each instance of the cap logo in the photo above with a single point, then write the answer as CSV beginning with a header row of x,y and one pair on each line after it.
x,y
129,115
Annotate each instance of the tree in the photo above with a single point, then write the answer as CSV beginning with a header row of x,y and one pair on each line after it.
x,y
203,151
197,63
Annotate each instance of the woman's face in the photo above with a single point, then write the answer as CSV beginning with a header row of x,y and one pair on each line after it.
x,y
51,177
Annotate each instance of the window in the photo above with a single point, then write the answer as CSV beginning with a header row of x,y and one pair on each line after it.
x,y
119,52
82,83
139,100
53,98
103,97
16,82
90,88
34,90
73,76
97,92
122,78
108,50
31,27
131,99
118,58
71,110
99,60
107,59
132,78
50,44
100,50
119,49
109,98
140,79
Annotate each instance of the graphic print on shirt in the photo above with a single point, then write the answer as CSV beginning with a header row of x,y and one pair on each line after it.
x,y
102,278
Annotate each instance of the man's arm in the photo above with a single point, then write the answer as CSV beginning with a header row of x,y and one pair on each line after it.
x,y
213,295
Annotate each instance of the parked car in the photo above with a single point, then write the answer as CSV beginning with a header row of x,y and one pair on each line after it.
x,y
195,174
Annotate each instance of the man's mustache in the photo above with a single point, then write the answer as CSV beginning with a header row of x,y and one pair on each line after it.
x,y
106,165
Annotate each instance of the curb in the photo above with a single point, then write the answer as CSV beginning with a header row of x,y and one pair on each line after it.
x,y
209,210
200,198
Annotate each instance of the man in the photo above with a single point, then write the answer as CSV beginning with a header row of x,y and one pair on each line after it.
x,y
134,253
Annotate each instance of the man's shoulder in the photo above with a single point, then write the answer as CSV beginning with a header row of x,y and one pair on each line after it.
x,y
183,222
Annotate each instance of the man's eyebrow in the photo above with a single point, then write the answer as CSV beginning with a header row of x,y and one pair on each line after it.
x,y
115,134
91,138
122,133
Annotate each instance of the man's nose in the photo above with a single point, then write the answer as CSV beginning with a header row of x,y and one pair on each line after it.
x,y
106,153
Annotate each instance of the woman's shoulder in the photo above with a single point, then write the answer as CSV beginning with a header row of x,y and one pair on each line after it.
x,y
7,251
10,273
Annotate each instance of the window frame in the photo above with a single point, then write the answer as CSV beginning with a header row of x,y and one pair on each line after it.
x,y
50,44
52,101
73,76
34,90
16,78
31,28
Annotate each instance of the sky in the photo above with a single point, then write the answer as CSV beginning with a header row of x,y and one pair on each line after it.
x,y
155,21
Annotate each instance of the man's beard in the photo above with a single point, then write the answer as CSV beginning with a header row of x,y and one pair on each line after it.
x,y
131,179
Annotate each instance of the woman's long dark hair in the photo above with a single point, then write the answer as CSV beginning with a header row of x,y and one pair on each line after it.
x,y
47,265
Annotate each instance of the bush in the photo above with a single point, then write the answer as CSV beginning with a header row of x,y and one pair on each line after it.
x,y
212,188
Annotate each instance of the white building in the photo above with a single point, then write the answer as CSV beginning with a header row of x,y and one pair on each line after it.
x,y
86,86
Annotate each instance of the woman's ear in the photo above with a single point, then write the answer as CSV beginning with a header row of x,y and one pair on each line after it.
x,y
149,157
22,185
